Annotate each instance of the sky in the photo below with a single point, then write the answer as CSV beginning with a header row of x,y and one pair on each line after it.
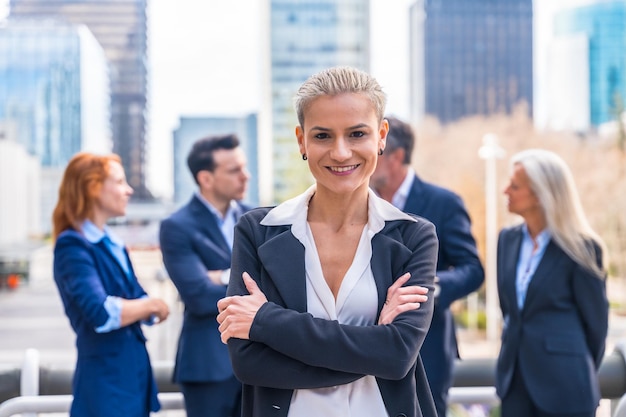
x,y
204,59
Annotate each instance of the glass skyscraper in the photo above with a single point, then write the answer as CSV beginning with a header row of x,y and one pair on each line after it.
x,y
54,88
604,26
470,57
120,27
307,36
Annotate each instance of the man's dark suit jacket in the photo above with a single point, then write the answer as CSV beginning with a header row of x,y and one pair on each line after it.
x,y
113,376
459,270
192,244
557,340
290,349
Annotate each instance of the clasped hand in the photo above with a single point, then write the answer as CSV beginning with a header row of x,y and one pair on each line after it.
x,y
237,312
401,299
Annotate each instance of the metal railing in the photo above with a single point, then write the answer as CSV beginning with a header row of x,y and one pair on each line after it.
x,y
47,389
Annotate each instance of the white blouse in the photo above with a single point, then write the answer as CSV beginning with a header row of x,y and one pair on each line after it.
x,y
356,304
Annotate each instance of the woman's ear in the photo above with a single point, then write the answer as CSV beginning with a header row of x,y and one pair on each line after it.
x,y
300,137
383,132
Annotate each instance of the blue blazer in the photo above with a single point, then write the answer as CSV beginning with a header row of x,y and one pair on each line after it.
x,y
459,270
113,376
192,244
290,349
557,340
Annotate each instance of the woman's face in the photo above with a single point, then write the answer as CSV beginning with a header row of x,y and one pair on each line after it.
x,y
521,198
114,194
341,137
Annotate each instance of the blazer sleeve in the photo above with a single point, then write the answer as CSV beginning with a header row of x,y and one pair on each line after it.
x,y
463,271
187,271
79,281
593,304
313,352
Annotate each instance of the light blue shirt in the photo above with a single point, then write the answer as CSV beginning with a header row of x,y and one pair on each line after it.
x,y
528,261
228,221
402,193
112,304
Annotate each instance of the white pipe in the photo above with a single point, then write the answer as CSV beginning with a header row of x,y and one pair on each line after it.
x,y
62,403
473,395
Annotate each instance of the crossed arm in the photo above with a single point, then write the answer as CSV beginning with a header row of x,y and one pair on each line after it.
x,y
237,312
303,351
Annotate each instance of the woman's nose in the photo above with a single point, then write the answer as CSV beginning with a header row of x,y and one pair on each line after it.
x,y
341,150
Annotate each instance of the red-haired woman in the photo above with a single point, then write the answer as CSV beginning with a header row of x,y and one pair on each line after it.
x,y
101,295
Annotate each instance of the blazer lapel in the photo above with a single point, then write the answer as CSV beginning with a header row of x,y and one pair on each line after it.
x,y
510,270
415,201
550,259
121,279
386,253
209,224
283,258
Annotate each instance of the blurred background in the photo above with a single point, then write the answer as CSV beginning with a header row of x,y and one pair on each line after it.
x,y
479,80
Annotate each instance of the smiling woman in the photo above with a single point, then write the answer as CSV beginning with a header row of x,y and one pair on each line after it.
x,y
351,304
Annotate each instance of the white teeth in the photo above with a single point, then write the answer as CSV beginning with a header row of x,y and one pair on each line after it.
x,y
343,169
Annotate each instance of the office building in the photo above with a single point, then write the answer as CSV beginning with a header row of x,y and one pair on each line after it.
x,y
54,87
19,187
54,98
120,27
599,30
305,37
191,129
470,57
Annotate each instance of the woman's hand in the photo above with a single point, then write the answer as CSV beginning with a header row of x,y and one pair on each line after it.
x,y
237,312
160,310
145,308
401,299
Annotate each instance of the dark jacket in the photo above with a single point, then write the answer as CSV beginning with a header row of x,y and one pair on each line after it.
x,y
192,244
113,376
459,271
290,349
557,340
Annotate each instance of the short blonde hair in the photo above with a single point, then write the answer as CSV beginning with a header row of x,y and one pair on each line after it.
x,y
338,80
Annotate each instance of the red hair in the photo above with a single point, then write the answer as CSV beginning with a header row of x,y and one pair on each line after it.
x,y
80,186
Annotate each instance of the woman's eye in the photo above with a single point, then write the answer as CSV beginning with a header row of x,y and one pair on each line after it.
x,y
322,136
358,134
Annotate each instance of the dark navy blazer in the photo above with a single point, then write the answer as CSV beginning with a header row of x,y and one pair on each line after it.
x,y
557,340
459,270
113,376
290,349
192,244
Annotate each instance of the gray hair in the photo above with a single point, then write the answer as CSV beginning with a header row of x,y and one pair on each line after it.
x,y
337,80
553,184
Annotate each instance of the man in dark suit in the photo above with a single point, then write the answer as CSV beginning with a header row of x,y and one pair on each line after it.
x,y
459,270
196,242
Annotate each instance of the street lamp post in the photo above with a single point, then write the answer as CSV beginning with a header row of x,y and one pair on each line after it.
x,y
490,152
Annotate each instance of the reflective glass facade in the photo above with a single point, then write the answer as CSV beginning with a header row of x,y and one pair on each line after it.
x,y
475,57
307,36
120,27
43,81
604,25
